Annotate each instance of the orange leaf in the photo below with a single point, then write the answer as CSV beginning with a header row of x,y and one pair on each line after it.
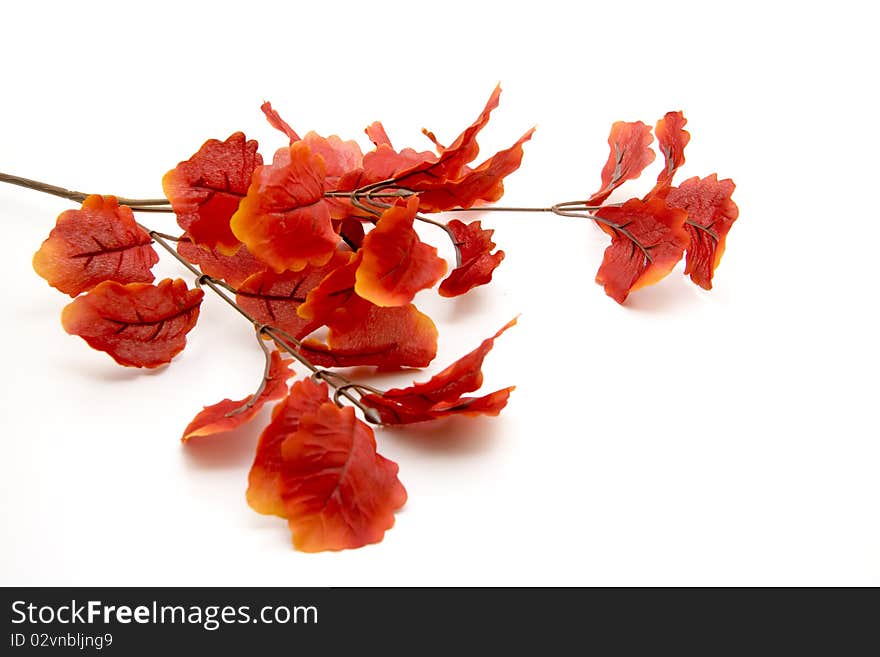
x,y
395,263
205,191
477,260
99,242
442,394
338,492
274,298
138,324
284,220
483,184
710,215
234,269
630,154
647,239
228,415
264,479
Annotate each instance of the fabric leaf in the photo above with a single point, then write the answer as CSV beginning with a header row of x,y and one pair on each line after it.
x,y
630,153
477,260
647,239
264,479
234,269
672,139
99,242
710,215
205,191
284,220
227,415
395,263
338,492
137,324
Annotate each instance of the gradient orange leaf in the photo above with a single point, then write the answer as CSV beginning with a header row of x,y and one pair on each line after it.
x,y
443,393
395,263
477,260
710,215
99,242
205,191
647,239
264,479
137,324
234,269
631,152
284,220
338,492
227,415
483,184
274,298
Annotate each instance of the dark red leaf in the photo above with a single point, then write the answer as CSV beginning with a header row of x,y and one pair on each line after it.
x,y
205,191
227,415
672,138
138,324
99,242
234,269
477,260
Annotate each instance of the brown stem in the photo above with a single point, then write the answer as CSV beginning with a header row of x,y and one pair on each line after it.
x,y
78,196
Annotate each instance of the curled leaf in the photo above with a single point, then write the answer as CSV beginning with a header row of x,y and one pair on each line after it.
x,y
99,242
631,152
205,190
137,324
477,260
264,479
227,415
338,492
443,394
710,215
284,220
395,263
647,239
672,139
275,120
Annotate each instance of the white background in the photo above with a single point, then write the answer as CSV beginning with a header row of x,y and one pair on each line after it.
x,y
696,438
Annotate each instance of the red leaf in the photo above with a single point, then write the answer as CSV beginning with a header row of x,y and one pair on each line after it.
x,y
274,298
477,260
451,161
710,215
630,154
228,415
443,394
264,479
387,338
384,163
338,492
395,263
138,324
284,220
234,269
275,120
205,191
334,299
99,242
647,239
672,138
483,184
376,132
